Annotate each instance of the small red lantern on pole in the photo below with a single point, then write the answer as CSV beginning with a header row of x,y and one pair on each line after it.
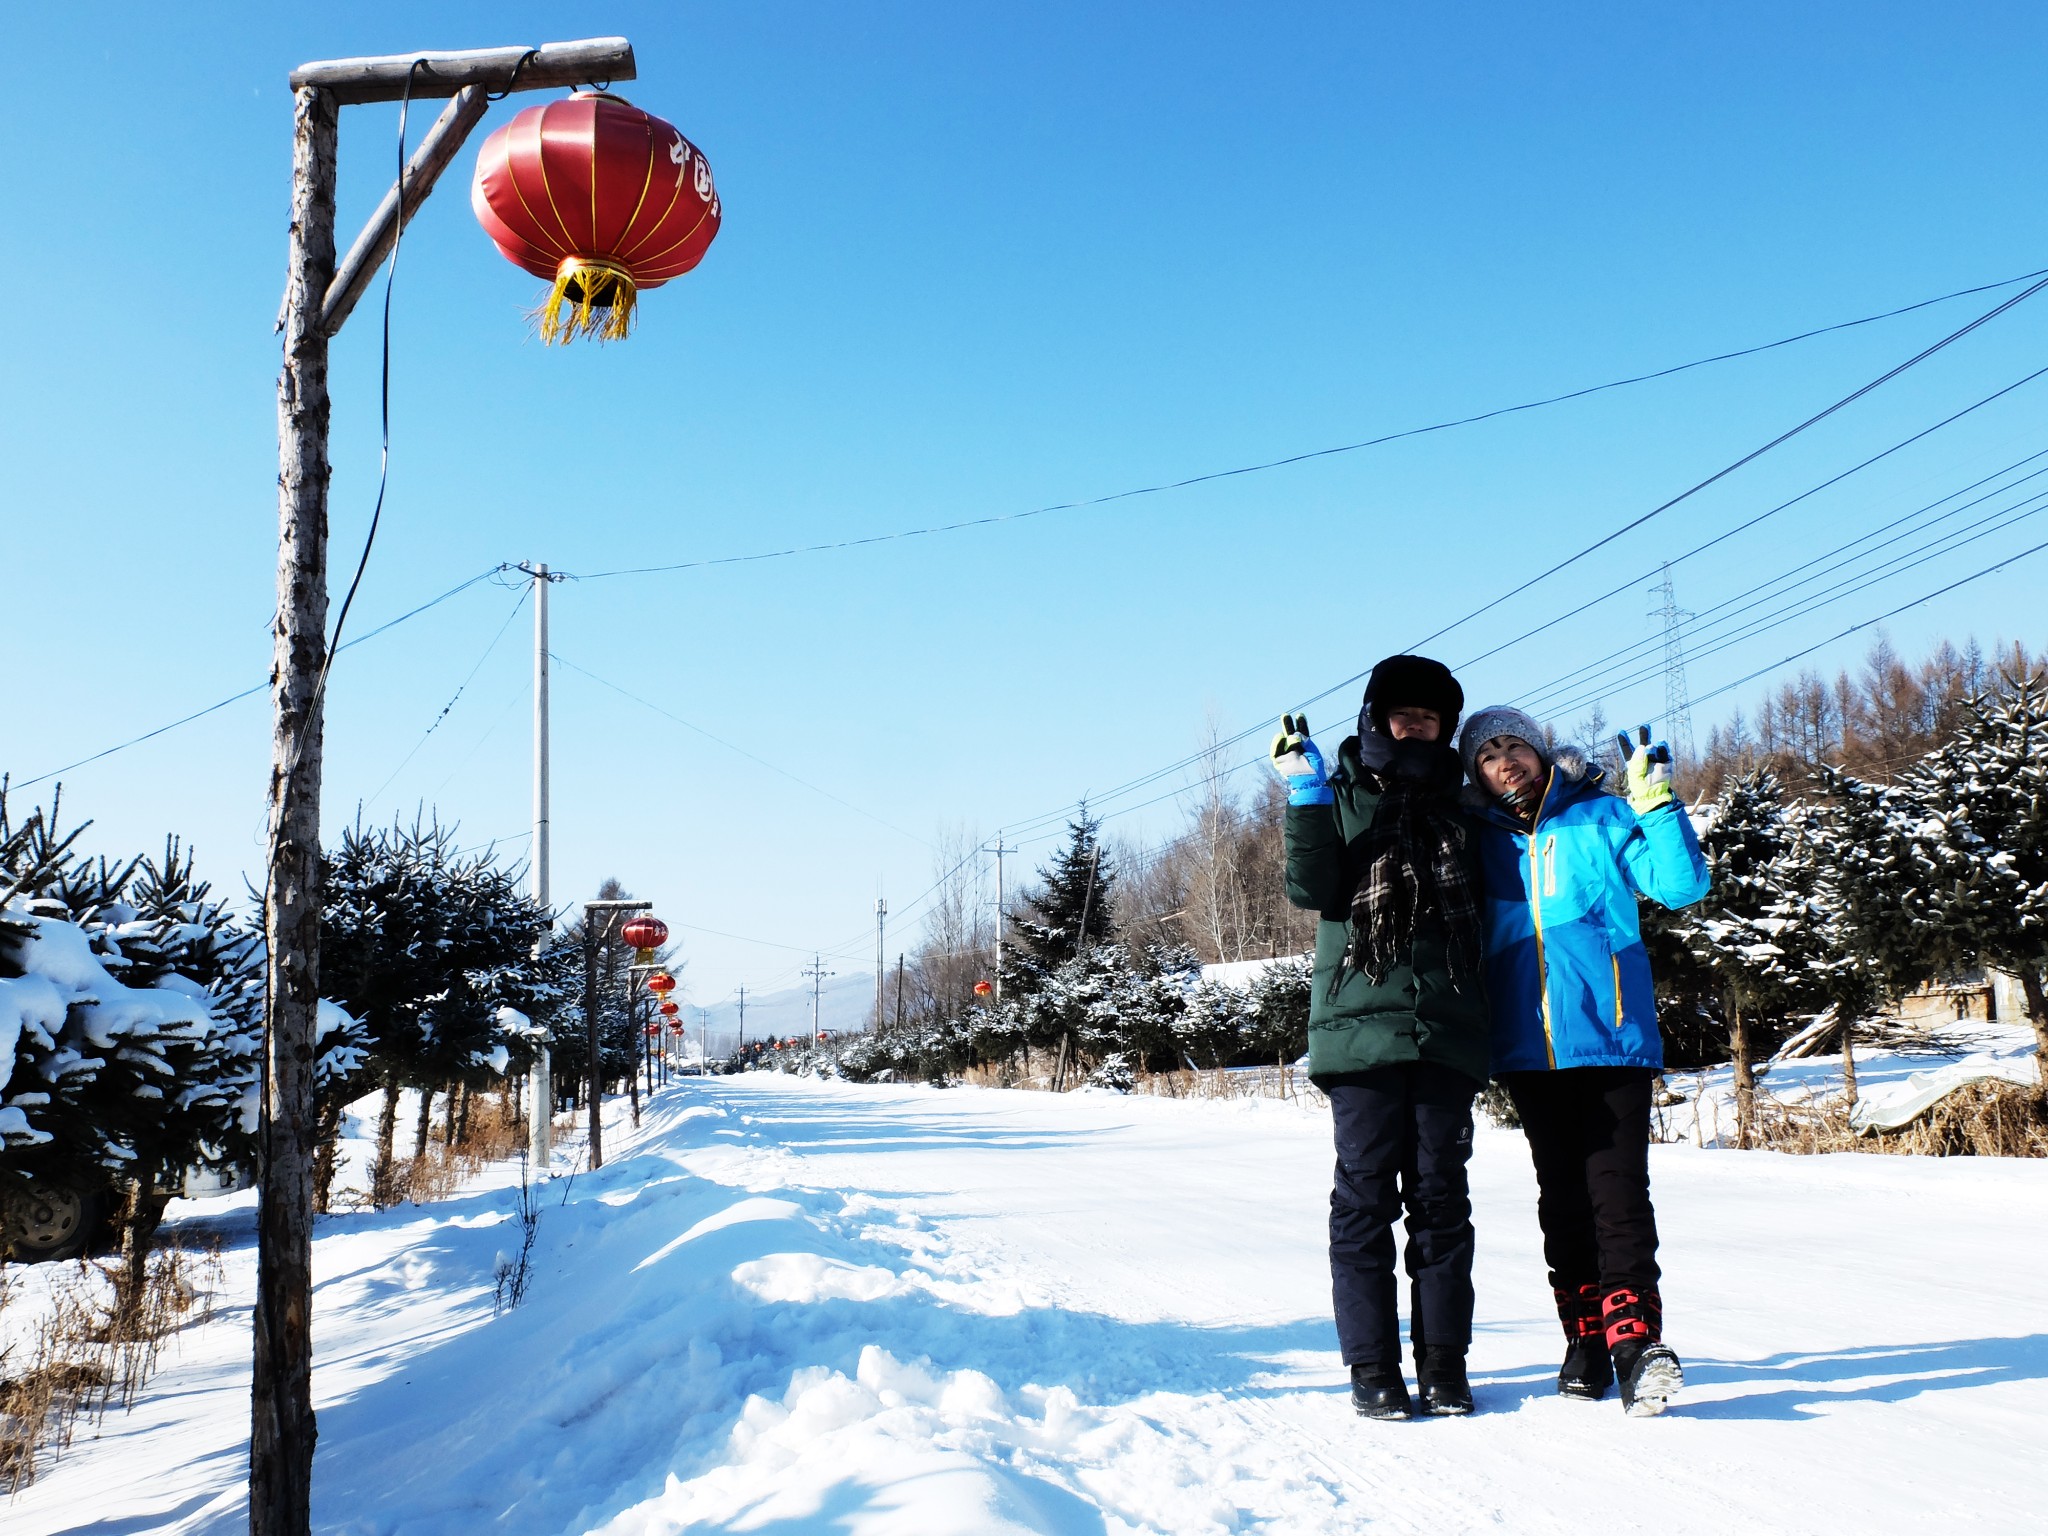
x,y
670,1010
661,984
982,989
600,198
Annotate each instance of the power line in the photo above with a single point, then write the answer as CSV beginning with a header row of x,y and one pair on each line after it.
x,y
1829,560
233,698
1763,517
456,698
742,751
1844,589
1926,597
1133,785
1748,458
1371,442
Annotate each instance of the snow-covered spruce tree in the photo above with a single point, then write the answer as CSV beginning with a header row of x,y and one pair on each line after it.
x,y
1754,931
1071,909
1110,1000
185,940
422,945
1947,869
1278,1027
1214,1025
128,1024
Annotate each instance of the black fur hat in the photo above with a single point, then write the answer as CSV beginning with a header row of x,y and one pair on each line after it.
x,y
1411,682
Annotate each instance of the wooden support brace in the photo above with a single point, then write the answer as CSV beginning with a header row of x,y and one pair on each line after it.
x,y
552,65
380,234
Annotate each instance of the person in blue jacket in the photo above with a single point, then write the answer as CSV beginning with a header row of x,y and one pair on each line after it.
x,y
1575,1039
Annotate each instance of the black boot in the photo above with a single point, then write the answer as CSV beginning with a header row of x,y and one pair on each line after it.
x,y
1649,1373
1650,1377
1440,1381
1587,1371
1378,1392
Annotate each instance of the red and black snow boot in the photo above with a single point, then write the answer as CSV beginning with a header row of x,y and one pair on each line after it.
x,y
1649,1373
1587,1372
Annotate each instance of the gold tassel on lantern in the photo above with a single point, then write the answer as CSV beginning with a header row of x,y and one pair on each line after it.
x,y
599,295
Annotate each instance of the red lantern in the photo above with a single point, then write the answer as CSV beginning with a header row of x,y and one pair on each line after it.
x,y
661,984
645,934
982,989
602,199
670,1010
653,1030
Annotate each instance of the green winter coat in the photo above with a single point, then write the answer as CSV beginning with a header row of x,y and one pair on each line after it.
x,y
1415,1013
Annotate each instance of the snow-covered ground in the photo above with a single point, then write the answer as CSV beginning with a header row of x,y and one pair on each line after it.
x,y
789,1306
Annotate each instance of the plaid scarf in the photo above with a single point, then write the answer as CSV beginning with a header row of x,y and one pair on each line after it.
x,y
1414,870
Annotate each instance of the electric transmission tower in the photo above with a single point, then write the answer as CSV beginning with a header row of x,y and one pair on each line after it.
x,y
1677,700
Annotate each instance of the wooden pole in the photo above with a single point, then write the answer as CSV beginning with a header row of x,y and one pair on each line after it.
x,y
443,73
424,169
282,1428
590,1029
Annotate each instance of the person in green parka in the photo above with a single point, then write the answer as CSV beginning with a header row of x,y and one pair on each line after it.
x,y
1398,1021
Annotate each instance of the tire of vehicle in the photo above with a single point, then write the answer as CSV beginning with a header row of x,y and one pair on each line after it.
x,y
51,1220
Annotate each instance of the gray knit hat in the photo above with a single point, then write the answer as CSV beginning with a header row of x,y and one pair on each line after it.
x,y
1482,725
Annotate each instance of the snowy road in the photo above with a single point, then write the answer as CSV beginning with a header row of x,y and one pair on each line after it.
x,y
800,1307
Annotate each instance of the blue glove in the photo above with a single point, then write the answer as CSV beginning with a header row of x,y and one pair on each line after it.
x,y
1299,762
1647,770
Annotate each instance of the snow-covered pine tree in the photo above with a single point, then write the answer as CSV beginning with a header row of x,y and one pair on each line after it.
x,y
1947,869
1278,1027
422,945
184,940
1754,930
127,1023
1075,896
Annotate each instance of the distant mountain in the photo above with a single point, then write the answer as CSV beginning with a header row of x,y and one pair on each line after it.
x,y
846,1003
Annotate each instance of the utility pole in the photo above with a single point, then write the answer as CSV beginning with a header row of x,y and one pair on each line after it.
x,y
999,851
743,1022
1677,698
319,296
540,1127
881,959
817,972
611,911
899,989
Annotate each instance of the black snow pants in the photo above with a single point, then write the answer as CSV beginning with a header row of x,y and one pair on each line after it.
x,y
1589,1134
1404,1136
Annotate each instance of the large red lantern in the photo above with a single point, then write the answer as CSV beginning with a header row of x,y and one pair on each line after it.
x,y
670,1010
645,934
661,984
600,198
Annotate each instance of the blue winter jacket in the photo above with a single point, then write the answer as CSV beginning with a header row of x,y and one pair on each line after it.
x,y
1566,972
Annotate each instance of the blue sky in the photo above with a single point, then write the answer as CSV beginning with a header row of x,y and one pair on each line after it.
x,y
976,260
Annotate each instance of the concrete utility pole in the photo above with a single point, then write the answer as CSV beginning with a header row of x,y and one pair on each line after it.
x,y
611,911
743,1022
817,972
881,958
540,1127
999,851
318,298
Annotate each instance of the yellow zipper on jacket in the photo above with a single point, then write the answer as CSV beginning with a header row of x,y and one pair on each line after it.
x,y
1536,915
1616,961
